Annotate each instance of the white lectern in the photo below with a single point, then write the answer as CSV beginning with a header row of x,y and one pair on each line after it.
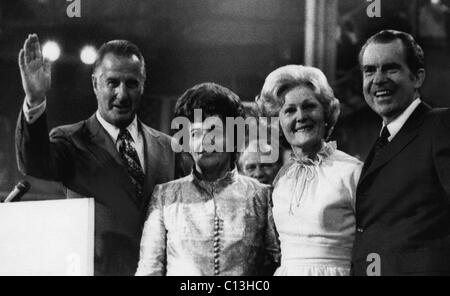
x,y
54,237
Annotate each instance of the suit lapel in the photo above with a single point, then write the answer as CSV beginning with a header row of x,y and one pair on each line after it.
x,y
100,137
368,160
151,153
406,134
103,148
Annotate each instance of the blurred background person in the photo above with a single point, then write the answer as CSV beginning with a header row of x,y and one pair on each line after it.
x,y
252,164
432,22
314,195
214,221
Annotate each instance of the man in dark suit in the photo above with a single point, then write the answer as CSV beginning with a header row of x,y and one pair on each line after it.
x,y
403,195
111,156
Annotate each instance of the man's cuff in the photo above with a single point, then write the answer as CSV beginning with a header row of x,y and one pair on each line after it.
x,y
32,114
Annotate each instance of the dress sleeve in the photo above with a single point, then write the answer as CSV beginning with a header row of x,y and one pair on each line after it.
x,y
271,241
152,259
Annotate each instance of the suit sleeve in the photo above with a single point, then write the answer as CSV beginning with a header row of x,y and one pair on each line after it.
x,y
441,151
152,261
40,155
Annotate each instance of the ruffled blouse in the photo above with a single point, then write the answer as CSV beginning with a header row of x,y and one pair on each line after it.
x,y
313,208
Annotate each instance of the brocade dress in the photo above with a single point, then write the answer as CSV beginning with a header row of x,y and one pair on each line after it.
x,y
197,227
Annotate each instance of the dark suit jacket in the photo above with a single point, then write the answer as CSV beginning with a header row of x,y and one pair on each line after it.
x,y
84,158
402,200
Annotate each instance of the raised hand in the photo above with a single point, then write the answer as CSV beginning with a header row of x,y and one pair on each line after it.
x,y
34,70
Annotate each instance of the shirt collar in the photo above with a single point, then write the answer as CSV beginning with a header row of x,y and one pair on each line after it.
x,y
395,125
113,130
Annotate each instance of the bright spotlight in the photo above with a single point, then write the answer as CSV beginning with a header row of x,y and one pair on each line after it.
x,y
51,51
88,55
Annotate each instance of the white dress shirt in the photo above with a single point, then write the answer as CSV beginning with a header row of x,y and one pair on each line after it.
x,y
32,114
395,125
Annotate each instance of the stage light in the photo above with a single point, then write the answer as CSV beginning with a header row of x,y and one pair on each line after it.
x,y
88,55
51,51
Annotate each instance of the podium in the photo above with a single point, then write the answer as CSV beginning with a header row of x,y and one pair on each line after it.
x,y
53,237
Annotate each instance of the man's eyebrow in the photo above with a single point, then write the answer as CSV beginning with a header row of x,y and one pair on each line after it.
x,y
369,66
383,66
392,65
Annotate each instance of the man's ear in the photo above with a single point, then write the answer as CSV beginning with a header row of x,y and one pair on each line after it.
x,y
420,78
94,83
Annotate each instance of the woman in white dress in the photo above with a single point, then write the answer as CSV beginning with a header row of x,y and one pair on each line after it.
x,y
314,194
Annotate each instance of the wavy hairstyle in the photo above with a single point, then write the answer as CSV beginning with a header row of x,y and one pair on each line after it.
x,y
285,78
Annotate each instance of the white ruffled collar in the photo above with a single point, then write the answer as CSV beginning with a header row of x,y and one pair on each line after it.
x,y
325,151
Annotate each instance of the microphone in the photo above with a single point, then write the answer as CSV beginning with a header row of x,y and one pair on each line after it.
x,y
19,190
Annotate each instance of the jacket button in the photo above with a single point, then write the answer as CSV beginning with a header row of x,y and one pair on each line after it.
x,y
360,230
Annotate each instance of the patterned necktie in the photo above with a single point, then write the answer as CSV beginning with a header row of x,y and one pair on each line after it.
x,y
382,140
131,160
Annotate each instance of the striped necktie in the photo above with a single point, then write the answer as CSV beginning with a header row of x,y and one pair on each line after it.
x,y
131,161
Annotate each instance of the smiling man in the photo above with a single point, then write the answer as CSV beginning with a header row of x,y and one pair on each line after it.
x,y
402,199
111,156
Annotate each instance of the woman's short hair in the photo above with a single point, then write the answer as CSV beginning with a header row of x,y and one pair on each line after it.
x,y
213,100
285,78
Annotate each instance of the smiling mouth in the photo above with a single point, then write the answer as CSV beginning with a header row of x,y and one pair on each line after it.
x,y
302,129
383,93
